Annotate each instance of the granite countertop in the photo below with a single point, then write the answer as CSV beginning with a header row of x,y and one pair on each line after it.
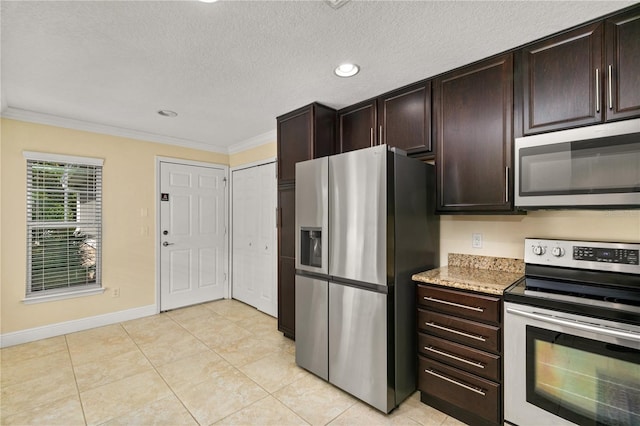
x,y
483,274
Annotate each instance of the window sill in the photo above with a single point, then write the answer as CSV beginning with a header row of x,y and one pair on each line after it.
x,y
61,296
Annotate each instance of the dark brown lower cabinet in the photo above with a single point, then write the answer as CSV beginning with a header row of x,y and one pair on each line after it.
x,y
286,260
460,353
287,296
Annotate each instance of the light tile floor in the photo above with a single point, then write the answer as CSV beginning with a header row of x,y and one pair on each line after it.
x,y
222,362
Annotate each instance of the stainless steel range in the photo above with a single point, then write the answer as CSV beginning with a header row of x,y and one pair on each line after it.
x,y
572,335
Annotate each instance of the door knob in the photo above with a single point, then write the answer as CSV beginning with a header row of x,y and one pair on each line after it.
x,y
167,244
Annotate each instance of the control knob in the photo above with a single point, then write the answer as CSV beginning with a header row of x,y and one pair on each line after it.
x,y
538,250
557,251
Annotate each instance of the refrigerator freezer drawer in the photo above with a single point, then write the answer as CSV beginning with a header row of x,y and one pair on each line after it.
x,y
358,345
312,323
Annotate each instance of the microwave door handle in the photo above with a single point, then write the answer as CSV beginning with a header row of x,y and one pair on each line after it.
x,y
579,325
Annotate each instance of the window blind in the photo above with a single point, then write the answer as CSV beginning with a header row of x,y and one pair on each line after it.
x,y
64,225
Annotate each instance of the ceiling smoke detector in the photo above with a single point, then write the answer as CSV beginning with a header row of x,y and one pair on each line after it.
x,y
336,4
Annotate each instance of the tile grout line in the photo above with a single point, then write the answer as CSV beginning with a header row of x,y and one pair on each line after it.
x,y
158,373
75,379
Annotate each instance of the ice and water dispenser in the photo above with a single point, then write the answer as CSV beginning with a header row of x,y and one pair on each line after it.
x,y
311,246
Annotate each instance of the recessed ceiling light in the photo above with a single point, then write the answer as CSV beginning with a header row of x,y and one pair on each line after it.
x,y
346,70
167,113
207,1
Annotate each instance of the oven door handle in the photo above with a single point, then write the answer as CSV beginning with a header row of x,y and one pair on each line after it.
x,y
580,325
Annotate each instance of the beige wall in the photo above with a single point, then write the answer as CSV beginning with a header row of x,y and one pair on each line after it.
x,y
128,220
129,190
503,236
259,153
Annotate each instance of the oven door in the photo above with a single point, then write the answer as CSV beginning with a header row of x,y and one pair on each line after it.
x,y
596,166
563,369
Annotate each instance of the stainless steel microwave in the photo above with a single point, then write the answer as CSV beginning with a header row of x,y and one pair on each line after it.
x,y
588,167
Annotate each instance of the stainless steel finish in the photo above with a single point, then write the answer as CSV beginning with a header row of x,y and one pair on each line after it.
x,y
606,130
167,244
610,88
371,138
556,318
458,332
458,305
312,210
516,409
567,261
358,215
457,358
358,344
380,141
455,382
381,228
597,90
312,325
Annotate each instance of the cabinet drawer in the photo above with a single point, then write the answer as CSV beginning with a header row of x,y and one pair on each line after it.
x,y
470,333
471,393
472,360
474,306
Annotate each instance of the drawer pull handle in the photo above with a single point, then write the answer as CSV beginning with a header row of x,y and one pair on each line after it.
x,y
461,333
457,305
457,358
455,382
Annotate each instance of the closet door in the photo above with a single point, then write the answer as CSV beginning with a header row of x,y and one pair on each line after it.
x,y
254,242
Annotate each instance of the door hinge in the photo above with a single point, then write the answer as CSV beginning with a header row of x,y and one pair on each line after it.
x,y
224,179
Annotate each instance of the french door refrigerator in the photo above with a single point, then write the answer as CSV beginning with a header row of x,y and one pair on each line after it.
x,y
364,224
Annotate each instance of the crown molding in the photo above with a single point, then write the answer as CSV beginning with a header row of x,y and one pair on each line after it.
x,y
270,136
69,123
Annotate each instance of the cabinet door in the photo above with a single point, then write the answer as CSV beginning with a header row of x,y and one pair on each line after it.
x,y
404,119
286,260
474,124
294,142
357,126
622,85
562,81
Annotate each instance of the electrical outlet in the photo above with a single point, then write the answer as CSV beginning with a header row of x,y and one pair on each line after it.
x,y
115,292
476,240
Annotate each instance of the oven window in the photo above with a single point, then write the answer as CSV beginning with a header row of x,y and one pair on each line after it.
x,y
582,380
584,167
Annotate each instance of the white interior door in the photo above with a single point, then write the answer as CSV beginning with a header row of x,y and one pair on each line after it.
x,y
192,228
254,237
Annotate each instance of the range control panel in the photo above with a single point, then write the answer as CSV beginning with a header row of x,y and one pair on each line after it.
x,y
596,255
599,254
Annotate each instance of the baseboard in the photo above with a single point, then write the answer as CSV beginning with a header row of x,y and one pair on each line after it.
x,y
52,330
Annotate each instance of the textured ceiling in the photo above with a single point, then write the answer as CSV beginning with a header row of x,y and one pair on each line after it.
x,y
229,68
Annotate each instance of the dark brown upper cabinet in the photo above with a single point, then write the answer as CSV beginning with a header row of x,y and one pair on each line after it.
x,y
303,134
584,76
404,119
561,80
473,124
401,118
622,71
356,126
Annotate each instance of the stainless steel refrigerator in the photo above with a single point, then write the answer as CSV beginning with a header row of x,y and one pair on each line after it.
x,y
364,224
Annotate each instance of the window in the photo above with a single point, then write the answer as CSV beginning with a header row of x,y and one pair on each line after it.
x,y
64,224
